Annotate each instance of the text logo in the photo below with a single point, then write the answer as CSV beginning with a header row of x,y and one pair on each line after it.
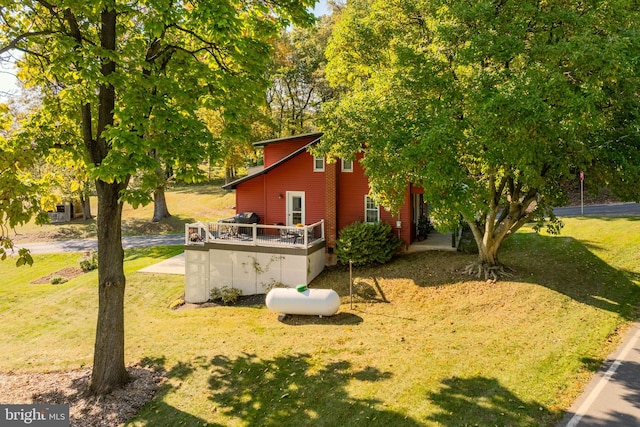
x,y
34,415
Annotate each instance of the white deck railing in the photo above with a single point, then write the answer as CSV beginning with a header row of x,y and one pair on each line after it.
x,y
253,234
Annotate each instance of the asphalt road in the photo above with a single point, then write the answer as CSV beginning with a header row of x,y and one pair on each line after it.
x,y
83,245
616,209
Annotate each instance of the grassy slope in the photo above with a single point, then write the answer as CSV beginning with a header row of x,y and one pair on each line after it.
x,y
423,345
187,204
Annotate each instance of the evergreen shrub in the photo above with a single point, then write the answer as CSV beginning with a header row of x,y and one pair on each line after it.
x,y
366,244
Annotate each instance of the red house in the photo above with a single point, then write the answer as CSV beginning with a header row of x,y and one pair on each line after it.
x,y
295,187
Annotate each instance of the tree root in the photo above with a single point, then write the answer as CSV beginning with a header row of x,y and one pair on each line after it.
x,y
491,272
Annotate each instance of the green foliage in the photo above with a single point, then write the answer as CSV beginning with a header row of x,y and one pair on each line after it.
x,y
487,106
225,294
89,261
273,285
58,280
366,244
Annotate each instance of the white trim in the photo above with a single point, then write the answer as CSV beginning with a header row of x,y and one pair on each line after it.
x,y
315,164
290,207
344,168
367,198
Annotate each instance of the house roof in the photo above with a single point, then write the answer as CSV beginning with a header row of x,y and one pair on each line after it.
x,y
315,136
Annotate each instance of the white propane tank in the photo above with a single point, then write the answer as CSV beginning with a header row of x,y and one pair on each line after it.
x,y
315,302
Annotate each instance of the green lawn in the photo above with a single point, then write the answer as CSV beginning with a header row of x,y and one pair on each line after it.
x,y
187,204
423,344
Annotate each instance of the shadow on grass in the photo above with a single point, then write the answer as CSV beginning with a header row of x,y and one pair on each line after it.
x,y
75,229
337,319
481,401
291,391
144,226
288,390
560,263
213,186
567,266
158,412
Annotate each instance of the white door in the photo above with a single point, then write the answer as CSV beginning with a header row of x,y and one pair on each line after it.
x,y
295,207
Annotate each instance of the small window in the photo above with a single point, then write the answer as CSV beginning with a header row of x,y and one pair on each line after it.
x,y
371,210
347,165
318,164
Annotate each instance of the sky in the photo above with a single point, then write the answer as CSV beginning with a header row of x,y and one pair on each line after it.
x,y
8,79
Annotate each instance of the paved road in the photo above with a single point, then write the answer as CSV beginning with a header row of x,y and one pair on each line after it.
x,y
616,209
612,398
88,244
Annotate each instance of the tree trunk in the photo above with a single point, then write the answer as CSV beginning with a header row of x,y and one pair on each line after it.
x,y
160,209
86,208
488,252
85,200
109,371
487,265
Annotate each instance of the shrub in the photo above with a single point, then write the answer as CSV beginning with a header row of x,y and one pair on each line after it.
x,y
225,294
273,285
57,280
89,261
366,244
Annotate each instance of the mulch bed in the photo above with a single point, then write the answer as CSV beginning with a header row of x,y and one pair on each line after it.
x,y
67,273
242,301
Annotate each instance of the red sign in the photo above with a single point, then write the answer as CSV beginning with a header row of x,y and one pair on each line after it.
x,y
581,176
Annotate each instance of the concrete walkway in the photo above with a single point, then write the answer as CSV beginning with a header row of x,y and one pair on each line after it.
x,y
173,265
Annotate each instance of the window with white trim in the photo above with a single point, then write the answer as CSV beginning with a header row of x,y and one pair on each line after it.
x,y
347,165
371,210
318,164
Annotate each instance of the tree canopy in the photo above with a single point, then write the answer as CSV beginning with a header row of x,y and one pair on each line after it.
x,y
136,73
489,106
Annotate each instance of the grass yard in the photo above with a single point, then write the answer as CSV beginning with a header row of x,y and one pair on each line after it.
x,y
187,204
423,345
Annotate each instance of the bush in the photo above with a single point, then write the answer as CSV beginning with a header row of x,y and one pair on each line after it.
x,y
225,294
366,244
273,285
57,280
89,261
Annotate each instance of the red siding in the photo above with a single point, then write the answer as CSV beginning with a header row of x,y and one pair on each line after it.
x,y
276,151
262,194
250,197
267,194
352,187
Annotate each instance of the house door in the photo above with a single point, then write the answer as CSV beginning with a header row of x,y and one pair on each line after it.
x,y
295,207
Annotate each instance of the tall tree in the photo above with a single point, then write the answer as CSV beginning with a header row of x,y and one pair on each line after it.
x,y
298,82
137,71
487,105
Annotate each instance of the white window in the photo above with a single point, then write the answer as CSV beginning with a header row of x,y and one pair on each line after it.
x,y
318,164
371,210
347,165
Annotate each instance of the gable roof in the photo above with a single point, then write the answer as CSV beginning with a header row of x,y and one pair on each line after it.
x,y
314,135
232,185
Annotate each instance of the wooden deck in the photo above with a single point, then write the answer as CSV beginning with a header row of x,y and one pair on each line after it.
x,y
254,234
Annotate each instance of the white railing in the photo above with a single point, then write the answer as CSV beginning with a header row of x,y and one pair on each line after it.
x,y
253,234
